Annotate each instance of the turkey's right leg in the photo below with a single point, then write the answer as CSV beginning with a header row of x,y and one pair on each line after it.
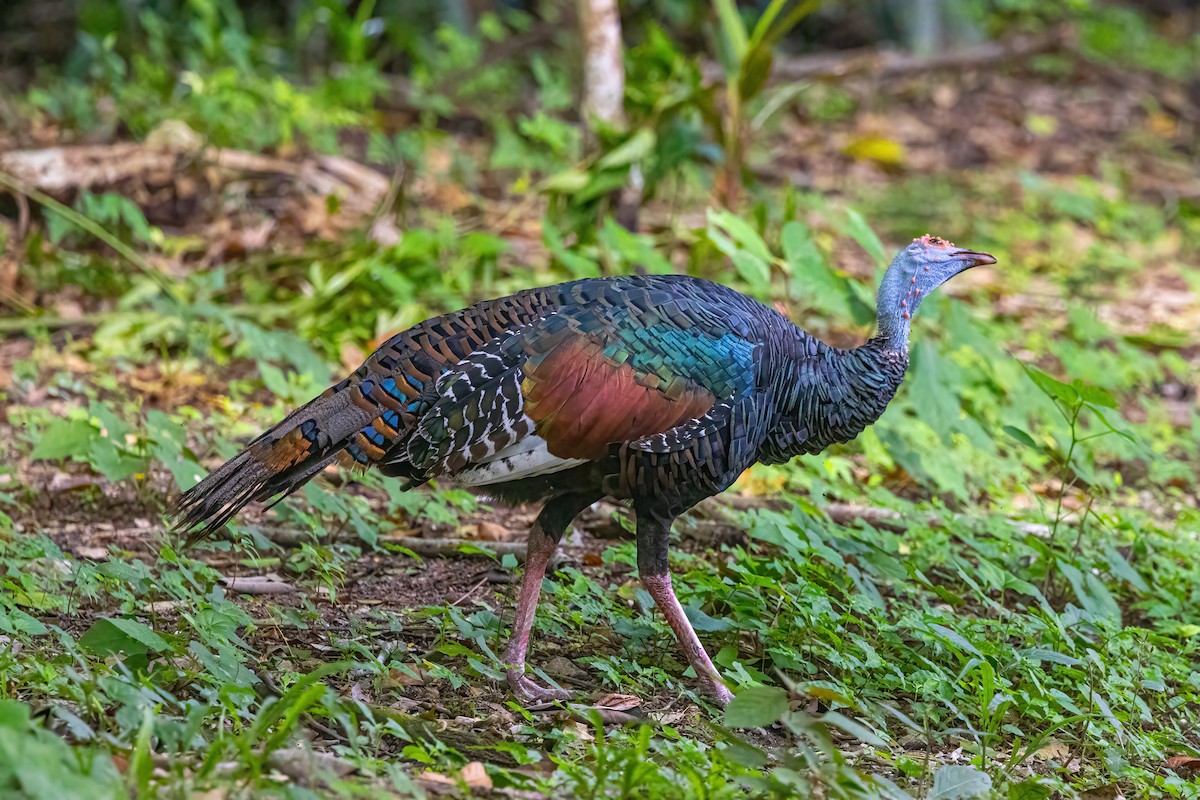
x,y
554,518
652,539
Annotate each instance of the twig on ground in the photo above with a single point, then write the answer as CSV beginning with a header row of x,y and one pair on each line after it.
x,y
580,712
875,63
435,548
308,767
848,513
472,590
258,585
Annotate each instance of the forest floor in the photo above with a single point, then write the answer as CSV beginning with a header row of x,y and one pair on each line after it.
x,y
950,658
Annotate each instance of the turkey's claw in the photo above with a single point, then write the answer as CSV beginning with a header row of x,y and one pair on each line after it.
x,y
529,692
719,692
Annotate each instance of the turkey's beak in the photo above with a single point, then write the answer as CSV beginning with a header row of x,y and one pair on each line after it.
x,y
974,258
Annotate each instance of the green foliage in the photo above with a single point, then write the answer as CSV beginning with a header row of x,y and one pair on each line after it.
x,y
746,56
1024,627
953,782
36,764
756,706
118,214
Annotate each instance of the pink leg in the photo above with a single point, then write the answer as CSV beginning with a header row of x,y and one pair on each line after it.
x,y
541,550
660,588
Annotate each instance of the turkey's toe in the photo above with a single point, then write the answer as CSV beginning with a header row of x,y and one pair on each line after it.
x,y
720,692
529,692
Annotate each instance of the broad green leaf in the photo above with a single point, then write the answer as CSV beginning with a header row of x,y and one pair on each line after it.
x,y
1094,394
79,729
1051,387
63,438
1121,568
1092,594
567,181
1020,435
756,706
822,288
1028,790
733,31
112,462
740,232
854,728
756,68
112,635
767,31
932,382
753,270
579,265
476,550
14,715
1049,656
958,782
745,754
17,621
634,149
1105,709
860,231
601,183
703,622
956,638
799,250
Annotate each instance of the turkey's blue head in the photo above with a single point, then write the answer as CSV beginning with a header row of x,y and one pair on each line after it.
x,y
916,271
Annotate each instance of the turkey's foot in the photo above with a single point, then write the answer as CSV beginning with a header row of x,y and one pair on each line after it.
x,y
527,691
718,691
660,588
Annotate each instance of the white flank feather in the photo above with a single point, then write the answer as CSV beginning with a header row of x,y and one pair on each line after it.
x,y
524,459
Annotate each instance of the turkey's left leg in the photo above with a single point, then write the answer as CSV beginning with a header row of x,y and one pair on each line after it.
x,y
653,536
554,518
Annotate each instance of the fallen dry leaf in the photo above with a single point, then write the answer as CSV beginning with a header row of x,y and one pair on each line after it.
x,y
1187,766
491,532
1056,751
618,702
475,776
434,777
94,553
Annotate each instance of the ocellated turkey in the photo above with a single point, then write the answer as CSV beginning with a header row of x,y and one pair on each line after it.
x,y
656,390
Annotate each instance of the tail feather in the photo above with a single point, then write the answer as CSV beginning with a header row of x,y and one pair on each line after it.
x,y
278,462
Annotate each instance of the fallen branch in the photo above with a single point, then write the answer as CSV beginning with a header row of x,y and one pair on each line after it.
x,y
613,709
877,63
308,767
442,548
172,149
258,585
578,712
844,514
886,518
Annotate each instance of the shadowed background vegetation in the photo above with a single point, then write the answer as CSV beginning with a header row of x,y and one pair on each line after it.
x,y
210,210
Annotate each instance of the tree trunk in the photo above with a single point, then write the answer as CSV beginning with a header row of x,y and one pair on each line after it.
x,y
603,62
604,91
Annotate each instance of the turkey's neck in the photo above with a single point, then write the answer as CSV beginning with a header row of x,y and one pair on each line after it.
x,y
832,395
895,306
867,377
